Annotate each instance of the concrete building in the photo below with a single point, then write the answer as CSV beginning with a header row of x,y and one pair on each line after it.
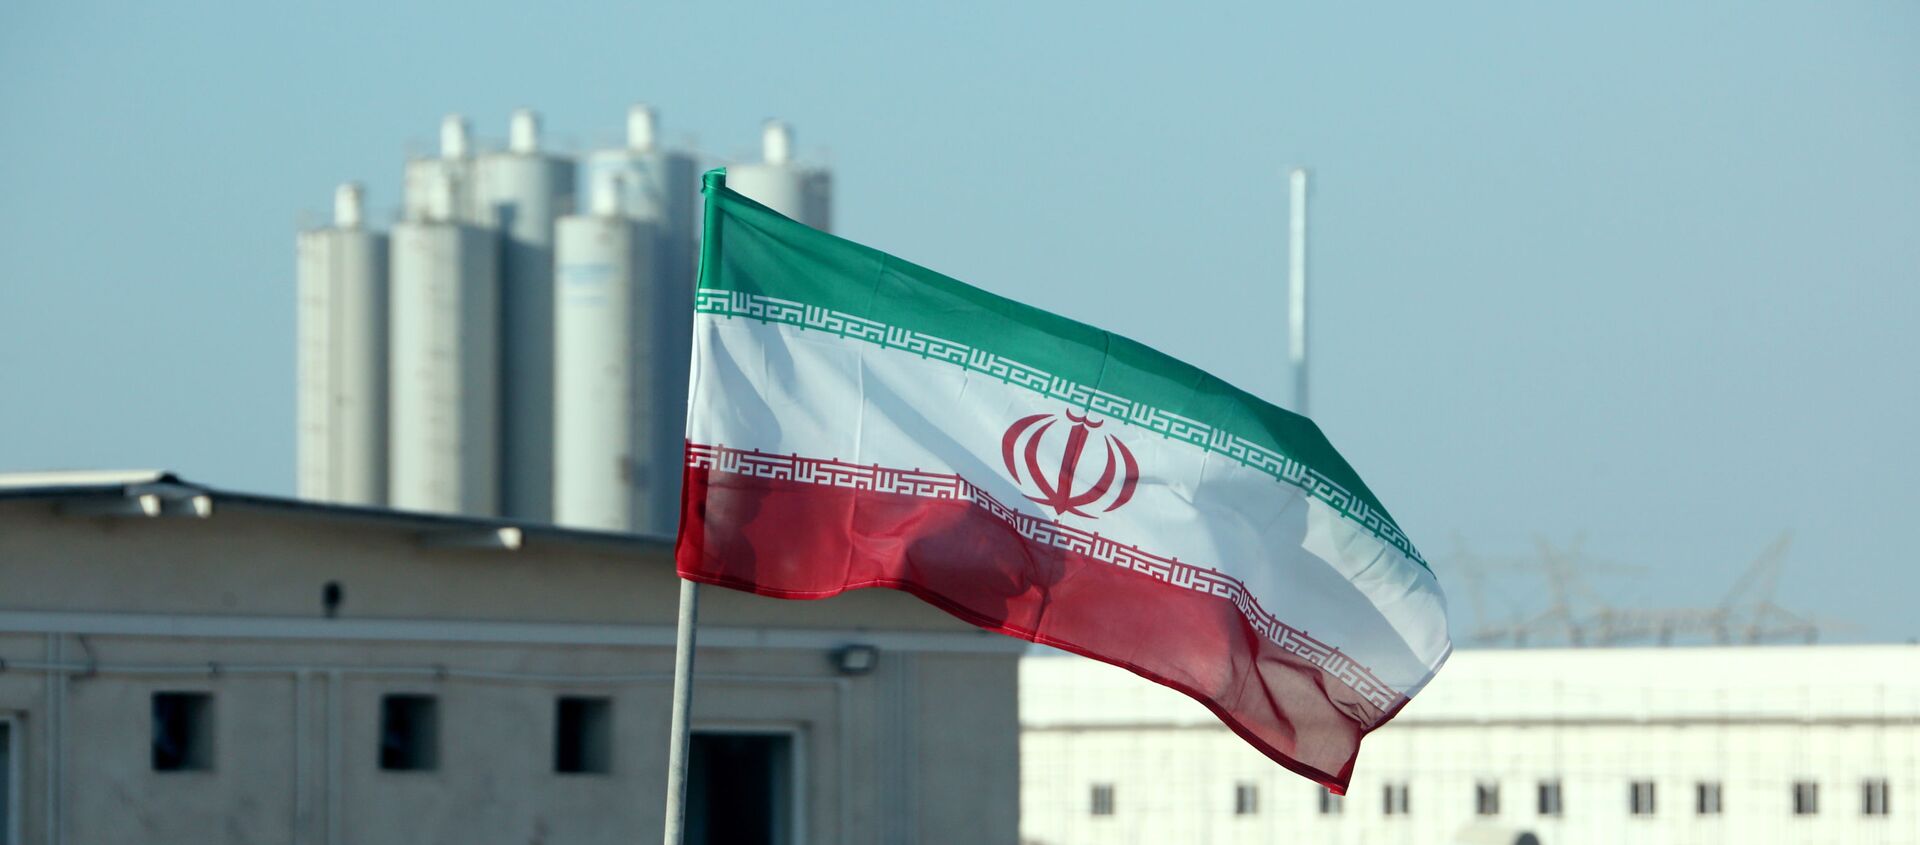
x,y
1790,744
188,665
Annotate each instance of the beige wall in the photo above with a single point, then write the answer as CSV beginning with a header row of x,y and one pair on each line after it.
x,y
924,749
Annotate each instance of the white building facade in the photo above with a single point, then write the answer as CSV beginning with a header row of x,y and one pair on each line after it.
x,y
1815,744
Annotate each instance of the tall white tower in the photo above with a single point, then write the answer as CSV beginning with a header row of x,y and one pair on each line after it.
x,y
657,186
521,192
608,388
444,375
778,182
342,393
624,317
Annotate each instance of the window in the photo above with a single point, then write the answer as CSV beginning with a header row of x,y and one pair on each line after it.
x,y
1806,798
1486,798
744,786
1331,804
1640,797
1393,799
182,732
1103,799
1706,798
409,733
1549,798
583,735
1246,799
1873,797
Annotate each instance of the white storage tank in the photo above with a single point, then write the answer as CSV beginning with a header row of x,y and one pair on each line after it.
x,y
802,193
342,394
658,186
521,192
445,363
452,171
621,378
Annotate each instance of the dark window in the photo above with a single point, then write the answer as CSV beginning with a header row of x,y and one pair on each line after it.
x,y
1806,798
1486,798
182,731
1393,799
1103,799
409,733
1873,797
583,735
1246,799
1331,804
1640,798
741,788
1549,798
1706,798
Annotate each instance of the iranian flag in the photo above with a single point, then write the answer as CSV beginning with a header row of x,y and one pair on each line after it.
x,y
858,421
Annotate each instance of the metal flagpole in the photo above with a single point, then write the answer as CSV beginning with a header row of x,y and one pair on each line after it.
x,y
676,827
682,702
1297,286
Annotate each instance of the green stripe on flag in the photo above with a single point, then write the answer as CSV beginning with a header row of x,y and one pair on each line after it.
x,y
774,261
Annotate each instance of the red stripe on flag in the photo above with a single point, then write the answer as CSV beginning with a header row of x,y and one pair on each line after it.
x,y
799,540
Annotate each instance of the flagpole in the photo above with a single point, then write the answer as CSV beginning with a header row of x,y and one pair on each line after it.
x,y
681,727
1297,286
682,703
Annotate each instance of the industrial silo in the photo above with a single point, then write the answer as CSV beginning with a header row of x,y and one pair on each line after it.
x,y
657,186
444,351
456,164
342,394
521,191
802,193
618,426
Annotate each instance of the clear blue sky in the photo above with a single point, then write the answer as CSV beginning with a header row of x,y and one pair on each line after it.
x,y
1648,271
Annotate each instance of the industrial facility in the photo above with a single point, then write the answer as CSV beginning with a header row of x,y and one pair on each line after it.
x,y
504,352
182,664
459,629
1579,721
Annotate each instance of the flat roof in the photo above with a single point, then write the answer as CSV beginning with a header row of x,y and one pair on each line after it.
x,y
158,493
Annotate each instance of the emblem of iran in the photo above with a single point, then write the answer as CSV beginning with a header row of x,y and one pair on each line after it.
x,y
1094,471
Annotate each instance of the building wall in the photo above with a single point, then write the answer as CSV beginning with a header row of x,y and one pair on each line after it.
x,y
1594,720
99,614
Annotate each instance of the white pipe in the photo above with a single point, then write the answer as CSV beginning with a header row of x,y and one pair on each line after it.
x,y
349,206
776,142
1297,287
454,141
643,125
523,131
